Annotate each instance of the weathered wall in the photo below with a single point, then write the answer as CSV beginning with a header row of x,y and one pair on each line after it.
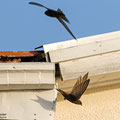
x,y
98,104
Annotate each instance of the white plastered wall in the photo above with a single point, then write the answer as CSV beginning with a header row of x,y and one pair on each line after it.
x,y
103,104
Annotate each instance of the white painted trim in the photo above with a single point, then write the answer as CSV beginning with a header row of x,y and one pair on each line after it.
x,y
27,66
95,65
85,50
19,76
81,41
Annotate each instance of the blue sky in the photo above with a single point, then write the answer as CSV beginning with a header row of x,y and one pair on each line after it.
x,y
24,26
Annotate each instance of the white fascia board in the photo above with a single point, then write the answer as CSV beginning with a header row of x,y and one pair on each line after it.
x,y
81,41
85,50
27,66
103,70
19,76
96,65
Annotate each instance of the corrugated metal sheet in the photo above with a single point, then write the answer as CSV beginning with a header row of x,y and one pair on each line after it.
x,y
19,53
22,56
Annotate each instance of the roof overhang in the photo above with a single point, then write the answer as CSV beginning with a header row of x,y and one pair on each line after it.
x,y
99,55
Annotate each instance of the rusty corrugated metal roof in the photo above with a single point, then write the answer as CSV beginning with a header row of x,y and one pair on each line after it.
x,y
22,56
19,53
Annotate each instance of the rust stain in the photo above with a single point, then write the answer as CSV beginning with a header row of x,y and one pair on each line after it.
x,y
7,59
19,53
17,56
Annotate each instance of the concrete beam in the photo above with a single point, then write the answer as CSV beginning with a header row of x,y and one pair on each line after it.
x,y
27,76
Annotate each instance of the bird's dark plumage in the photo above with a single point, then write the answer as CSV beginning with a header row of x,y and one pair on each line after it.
x,y
34,3
58,14
39,47
77,91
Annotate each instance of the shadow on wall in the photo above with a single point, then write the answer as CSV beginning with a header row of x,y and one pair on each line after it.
x,y
49,105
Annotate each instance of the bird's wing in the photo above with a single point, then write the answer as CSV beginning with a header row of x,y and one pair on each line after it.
x,y
62,92
63,16
39,47
34,3
80,86
62,22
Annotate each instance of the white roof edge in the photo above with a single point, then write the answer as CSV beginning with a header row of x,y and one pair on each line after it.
x,y
86,50
28,66
81,41
19,76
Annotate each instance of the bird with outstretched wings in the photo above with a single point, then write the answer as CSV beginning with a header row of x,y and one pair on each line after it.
x,y
57,14
77,91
